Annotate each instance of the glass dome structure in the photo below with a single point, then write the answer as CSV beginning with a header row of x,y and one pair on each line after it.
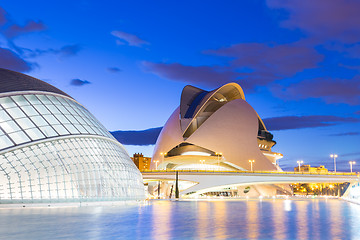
x,y
52,149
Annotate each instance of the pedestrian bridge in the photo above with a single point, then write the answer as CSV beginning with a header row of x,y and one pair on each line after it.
x,y
209,180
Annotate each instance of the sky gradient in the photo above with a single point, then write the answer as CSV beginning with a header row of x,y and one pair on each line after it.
x,y
127,62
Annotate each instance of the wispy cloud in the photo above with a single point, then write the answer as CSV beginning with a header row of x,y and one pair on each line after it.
x,y
113,69
63,52
322,19
328,89
79,82
198,75
261,64
12,56
10,60
3,18
128,38
345,134
312,121
31,26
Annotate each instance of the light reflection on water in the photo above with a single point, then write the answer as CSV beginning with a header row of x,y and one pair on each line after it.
x,y
241,219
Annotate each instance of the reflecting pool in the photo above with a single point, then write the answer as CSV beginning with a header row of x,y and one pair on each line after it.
x,y
240,219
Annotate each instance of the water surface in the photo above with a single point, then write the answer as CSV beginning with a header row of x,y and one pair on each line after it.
x,y
241,219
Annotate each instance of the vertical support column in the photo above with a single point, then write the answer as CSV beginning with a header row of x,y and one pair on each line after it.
x,y
177,193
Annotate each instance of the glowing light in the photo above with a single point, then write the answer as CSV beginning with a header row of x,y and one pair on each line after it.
x,y
287,205
251,164
196,153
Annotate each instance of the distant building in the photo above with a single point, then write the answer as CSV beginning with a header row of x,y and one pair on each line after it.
x,y
143,163
309,169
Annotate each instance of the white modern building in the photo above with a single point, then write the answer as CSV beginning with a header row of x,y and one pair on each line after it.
x,y
217,130
52,149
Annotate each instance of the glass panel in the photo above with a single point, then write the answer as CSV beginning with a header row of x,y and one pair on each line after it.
x,y
19,137
53,109
5,142
6,102
4,116
34,134
29,110
15,112
9,126
39,121
62,109
44,99
62,118
60,129
80,120
32,99
71,119
48,131
20,100
41,109
62,100
25,123
71,128
51,119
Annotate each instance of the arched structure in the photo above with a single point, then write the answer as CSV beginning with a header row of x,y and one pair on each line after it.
x,y
221,127
52,149
215,130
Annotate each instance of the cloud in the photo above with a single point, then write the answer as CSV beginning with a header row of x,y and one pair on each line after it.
x,y
79,82
113,69
128,38
350,154
260,63
322,19
63,52
202,75
12,61
31,26
142,138
250,64
329,90
68,50
3,19
312,121
345,134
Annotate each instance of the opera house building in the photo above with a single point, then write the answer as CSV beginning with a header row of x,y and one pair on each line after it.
x,y
52,149
217,131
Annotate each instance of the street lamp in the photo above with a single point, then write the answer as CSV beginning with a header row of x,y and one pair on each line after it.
x,y
156,163
218,159
299,162
351,165
334,156
202,161
251,164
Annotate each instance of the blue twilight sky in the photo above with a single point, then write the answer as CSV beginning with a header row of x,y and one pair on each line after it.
x,y
127,62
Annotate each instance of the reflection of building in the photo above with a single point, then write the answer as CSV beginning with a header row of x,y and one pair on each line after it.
x,y
215,130
308,168
329,189
143,163
52,149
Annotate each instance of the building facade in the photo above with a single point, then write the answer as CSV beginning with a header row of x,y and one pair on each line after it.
x,y
309,169
141,162
216,131
52,149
